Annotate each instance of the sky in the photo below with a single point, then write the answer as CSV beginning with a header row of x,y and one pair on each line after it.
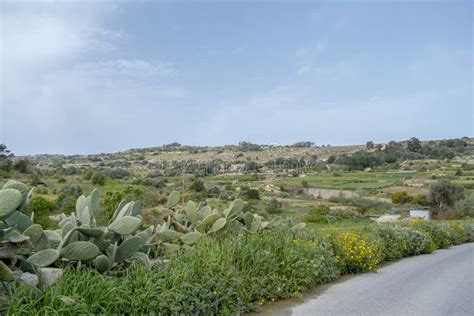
x,y
82,77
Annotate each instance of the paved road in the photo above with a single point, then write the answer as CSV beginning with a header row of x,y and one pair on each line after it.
x,y
438,284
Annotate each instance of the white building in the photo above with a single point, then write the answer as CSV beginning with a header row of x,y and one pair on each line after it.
x,y
425,214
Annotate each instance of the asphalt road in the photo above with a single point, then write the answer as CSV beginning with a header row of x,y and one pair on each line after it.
x,y
441,283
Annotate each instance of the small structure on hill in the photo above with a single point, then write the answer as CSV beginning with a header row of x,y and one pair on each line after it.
x,y
420,213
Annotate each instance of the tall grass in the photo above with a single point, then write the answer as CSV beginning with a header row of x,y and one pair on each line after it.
x,y
228,275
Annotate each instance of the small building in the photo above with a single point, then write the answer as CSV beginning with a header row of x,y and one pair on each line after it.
x,y
420,213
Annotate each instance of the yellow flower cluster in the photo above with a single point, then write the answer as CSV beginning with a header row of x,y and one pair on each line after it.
x,y
310,243
415,222
355,253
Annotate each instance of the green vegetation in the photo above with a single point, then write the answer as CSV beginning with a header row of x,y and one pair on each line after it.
x,y
148,249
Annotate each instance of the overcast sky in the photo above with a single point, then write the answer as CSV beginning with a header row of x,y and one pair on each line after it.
x,y
88,77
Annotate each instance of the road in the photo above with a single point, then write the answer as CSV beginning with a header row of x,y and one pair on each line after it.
x,y
441,283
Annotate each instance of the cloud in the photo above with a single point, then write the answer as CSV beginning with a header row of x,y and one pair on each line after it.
x,y
65,87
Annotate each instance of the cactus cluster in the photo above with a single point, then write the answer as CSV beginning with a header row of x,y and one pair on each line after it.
x,y
18,235
195,220
124,240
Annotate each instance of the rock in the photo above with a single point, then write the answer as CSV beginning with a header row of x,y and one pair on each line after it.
x,y
387,218
30,278
50,275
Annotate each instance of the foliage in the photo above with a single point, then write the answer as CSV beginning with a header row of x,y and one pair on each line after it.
x,y
420,199
67,197
362,203
458,233
6,163
401,197
356,253
274,207
438,233
98,178
465,206
229,275
444,193
198,185
402,242
41,208
21,165
250,194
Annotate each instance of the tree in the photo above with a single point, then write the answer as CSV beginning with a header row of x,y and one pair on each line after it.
x,y
21,165
370,145
414,145
444,193
5,152
5,159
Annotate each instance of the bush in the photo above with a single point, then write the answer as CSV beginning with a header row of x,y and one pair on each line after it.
x,y
42,208
274,207
198,185
355,253
318,215
219,276
438,233
402,242
420,199
469,228
67,197
466,206
98,178
457,233
251,194
401,197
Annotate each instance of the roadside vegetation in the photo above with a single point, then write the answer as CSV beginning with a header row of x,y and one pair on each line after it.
x,y
200,230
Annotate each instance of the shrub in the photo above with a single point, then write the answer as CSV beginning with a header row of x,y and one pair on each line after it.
x,y
198,185
67,197
316,218
457,233
469,228
401,197
356,253
439,234
418,242
98,178
274,207
42,208
420,199
466,206
251,194
402,242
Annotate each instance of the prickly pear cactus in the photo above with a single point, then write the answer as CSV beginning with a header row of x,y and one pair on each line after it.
x,y
10,200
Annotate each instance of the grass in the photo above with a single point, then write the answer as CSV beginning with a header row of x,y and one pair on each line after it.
x,y
361,225
228,275
350,180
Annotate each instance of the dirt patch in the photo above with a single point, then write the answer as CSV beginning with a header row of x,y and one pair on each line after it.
x,y
329,193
